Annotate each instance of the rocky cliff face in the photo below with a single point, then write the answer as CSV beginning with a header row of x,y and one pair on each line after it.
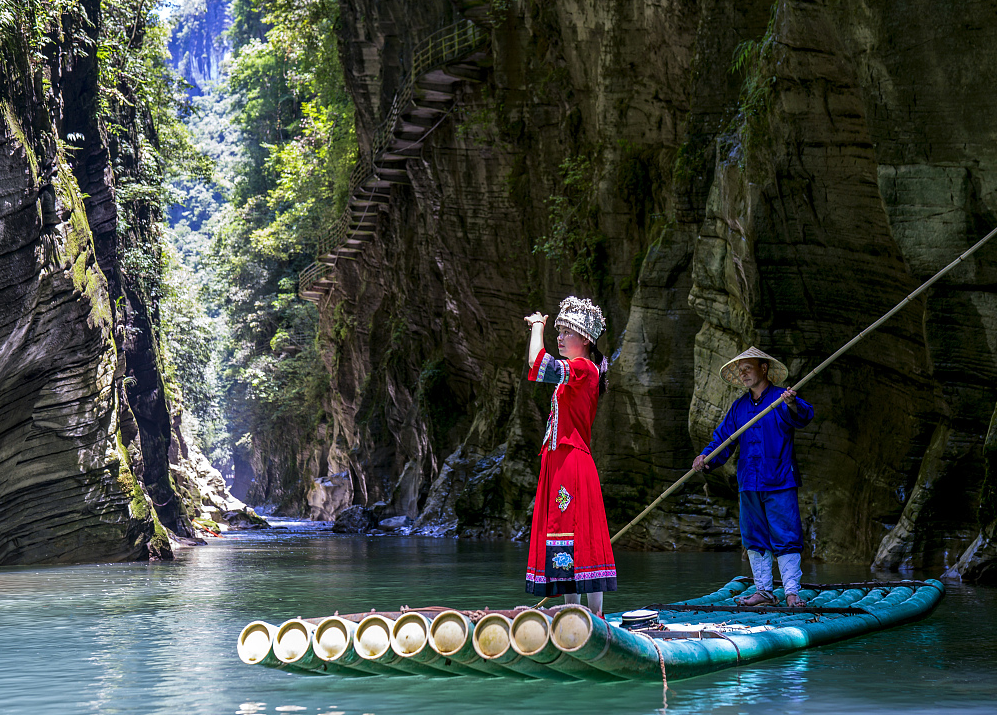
x,y
786,204
851,205
86,437
71,479
198,44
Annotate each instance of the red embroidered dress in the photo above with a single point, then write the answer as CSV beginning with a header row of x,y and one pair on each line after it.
x,y
569,541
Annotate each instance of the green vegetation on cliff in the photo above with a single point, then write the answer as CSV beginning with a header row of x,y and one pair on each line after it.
x,y
752,60
253,229
87,94
574,238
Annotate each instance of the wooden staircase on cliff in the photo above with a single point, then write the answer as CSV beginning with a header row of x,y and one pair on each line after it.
x,y
425,97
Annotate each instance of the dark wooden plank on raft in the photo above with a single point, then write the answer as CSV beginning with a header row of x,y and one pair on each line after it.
x,y
853,584
433,611
679,607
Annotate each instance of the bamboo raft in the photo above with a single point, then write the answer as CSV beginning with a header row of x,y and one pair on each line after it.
x,y
663,642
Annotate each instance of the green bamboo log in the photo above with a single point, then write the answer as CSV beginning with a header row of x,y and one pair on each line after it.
x,y
255,644
530,637
577,632
410,640
332,642
372,640
870,599
823,597
493,642
921,602
735,587
451,635
291,641
293,645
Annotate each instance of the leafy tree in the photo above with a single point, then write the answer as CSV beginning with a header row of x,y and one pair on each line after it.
x,y
256,227
142,106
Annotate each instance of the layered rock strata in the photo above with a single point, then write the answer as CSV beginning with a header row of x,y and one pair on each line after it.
x,y
85,428
69,482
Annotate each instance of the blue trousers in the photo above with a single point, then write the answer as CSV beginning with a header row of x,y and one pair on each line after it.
x,y
770,521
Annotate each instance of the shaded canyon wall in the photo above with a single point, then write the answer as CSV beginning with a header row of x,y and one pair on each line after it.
x,y
704,217
71,479
92,465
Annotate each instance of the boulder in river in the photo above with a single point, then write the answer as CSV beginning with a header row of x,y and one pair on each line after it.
x,y
395,523
354,520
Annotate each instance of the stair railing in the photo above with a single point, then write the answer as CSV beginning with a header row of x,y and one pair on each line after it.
x,y
443,46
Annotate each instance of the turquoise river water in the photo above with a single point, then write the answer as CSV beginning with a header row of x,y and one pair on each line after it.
x,y
160,637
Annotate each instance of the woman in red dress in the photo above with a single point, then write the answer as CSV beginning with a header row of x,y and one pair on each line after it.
x,y
570,553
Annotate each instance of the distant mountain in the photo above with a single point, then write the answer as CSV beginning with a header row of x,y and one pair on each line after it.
x,y
198,44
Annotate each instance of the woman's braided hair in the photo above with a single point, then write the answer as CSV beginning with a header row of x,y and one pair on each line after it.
x,y
596,356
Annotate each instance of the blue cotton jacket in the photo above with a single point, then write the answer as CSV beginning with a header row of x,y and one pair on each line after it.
x,y
768,460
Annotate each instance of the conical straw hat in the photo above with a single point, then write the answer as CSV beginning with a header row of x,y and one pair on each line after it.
x,y
777,371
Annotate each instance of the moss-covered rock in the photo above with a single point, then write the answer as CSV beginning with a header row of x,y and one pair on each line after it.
x,y
72,470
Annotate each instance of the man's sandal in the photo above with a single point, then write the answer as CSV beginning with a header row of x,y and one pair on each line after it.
x,y
758,598
794,601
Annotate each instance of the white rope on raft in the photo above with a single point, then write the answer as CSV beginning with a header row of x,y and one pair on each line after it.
x,y
664,675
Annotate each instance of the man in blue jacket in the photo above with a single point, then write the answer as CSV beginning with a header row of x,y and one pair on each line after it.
x,y
767,474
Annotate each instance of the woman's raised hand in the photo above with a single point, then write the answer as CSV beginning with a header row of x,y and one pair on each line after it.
x,y
536,336
536,318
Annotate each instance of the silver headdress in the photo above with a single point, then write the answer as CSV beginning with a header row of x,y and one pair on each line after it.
x,y
582,316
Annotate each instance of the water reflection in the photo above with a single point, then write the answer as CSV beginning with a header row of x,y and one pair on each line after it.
x,y
776,686
160,638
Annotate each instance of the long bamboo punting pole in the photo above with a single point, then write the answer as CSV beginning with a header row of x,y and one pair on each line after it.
x,y
813,373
